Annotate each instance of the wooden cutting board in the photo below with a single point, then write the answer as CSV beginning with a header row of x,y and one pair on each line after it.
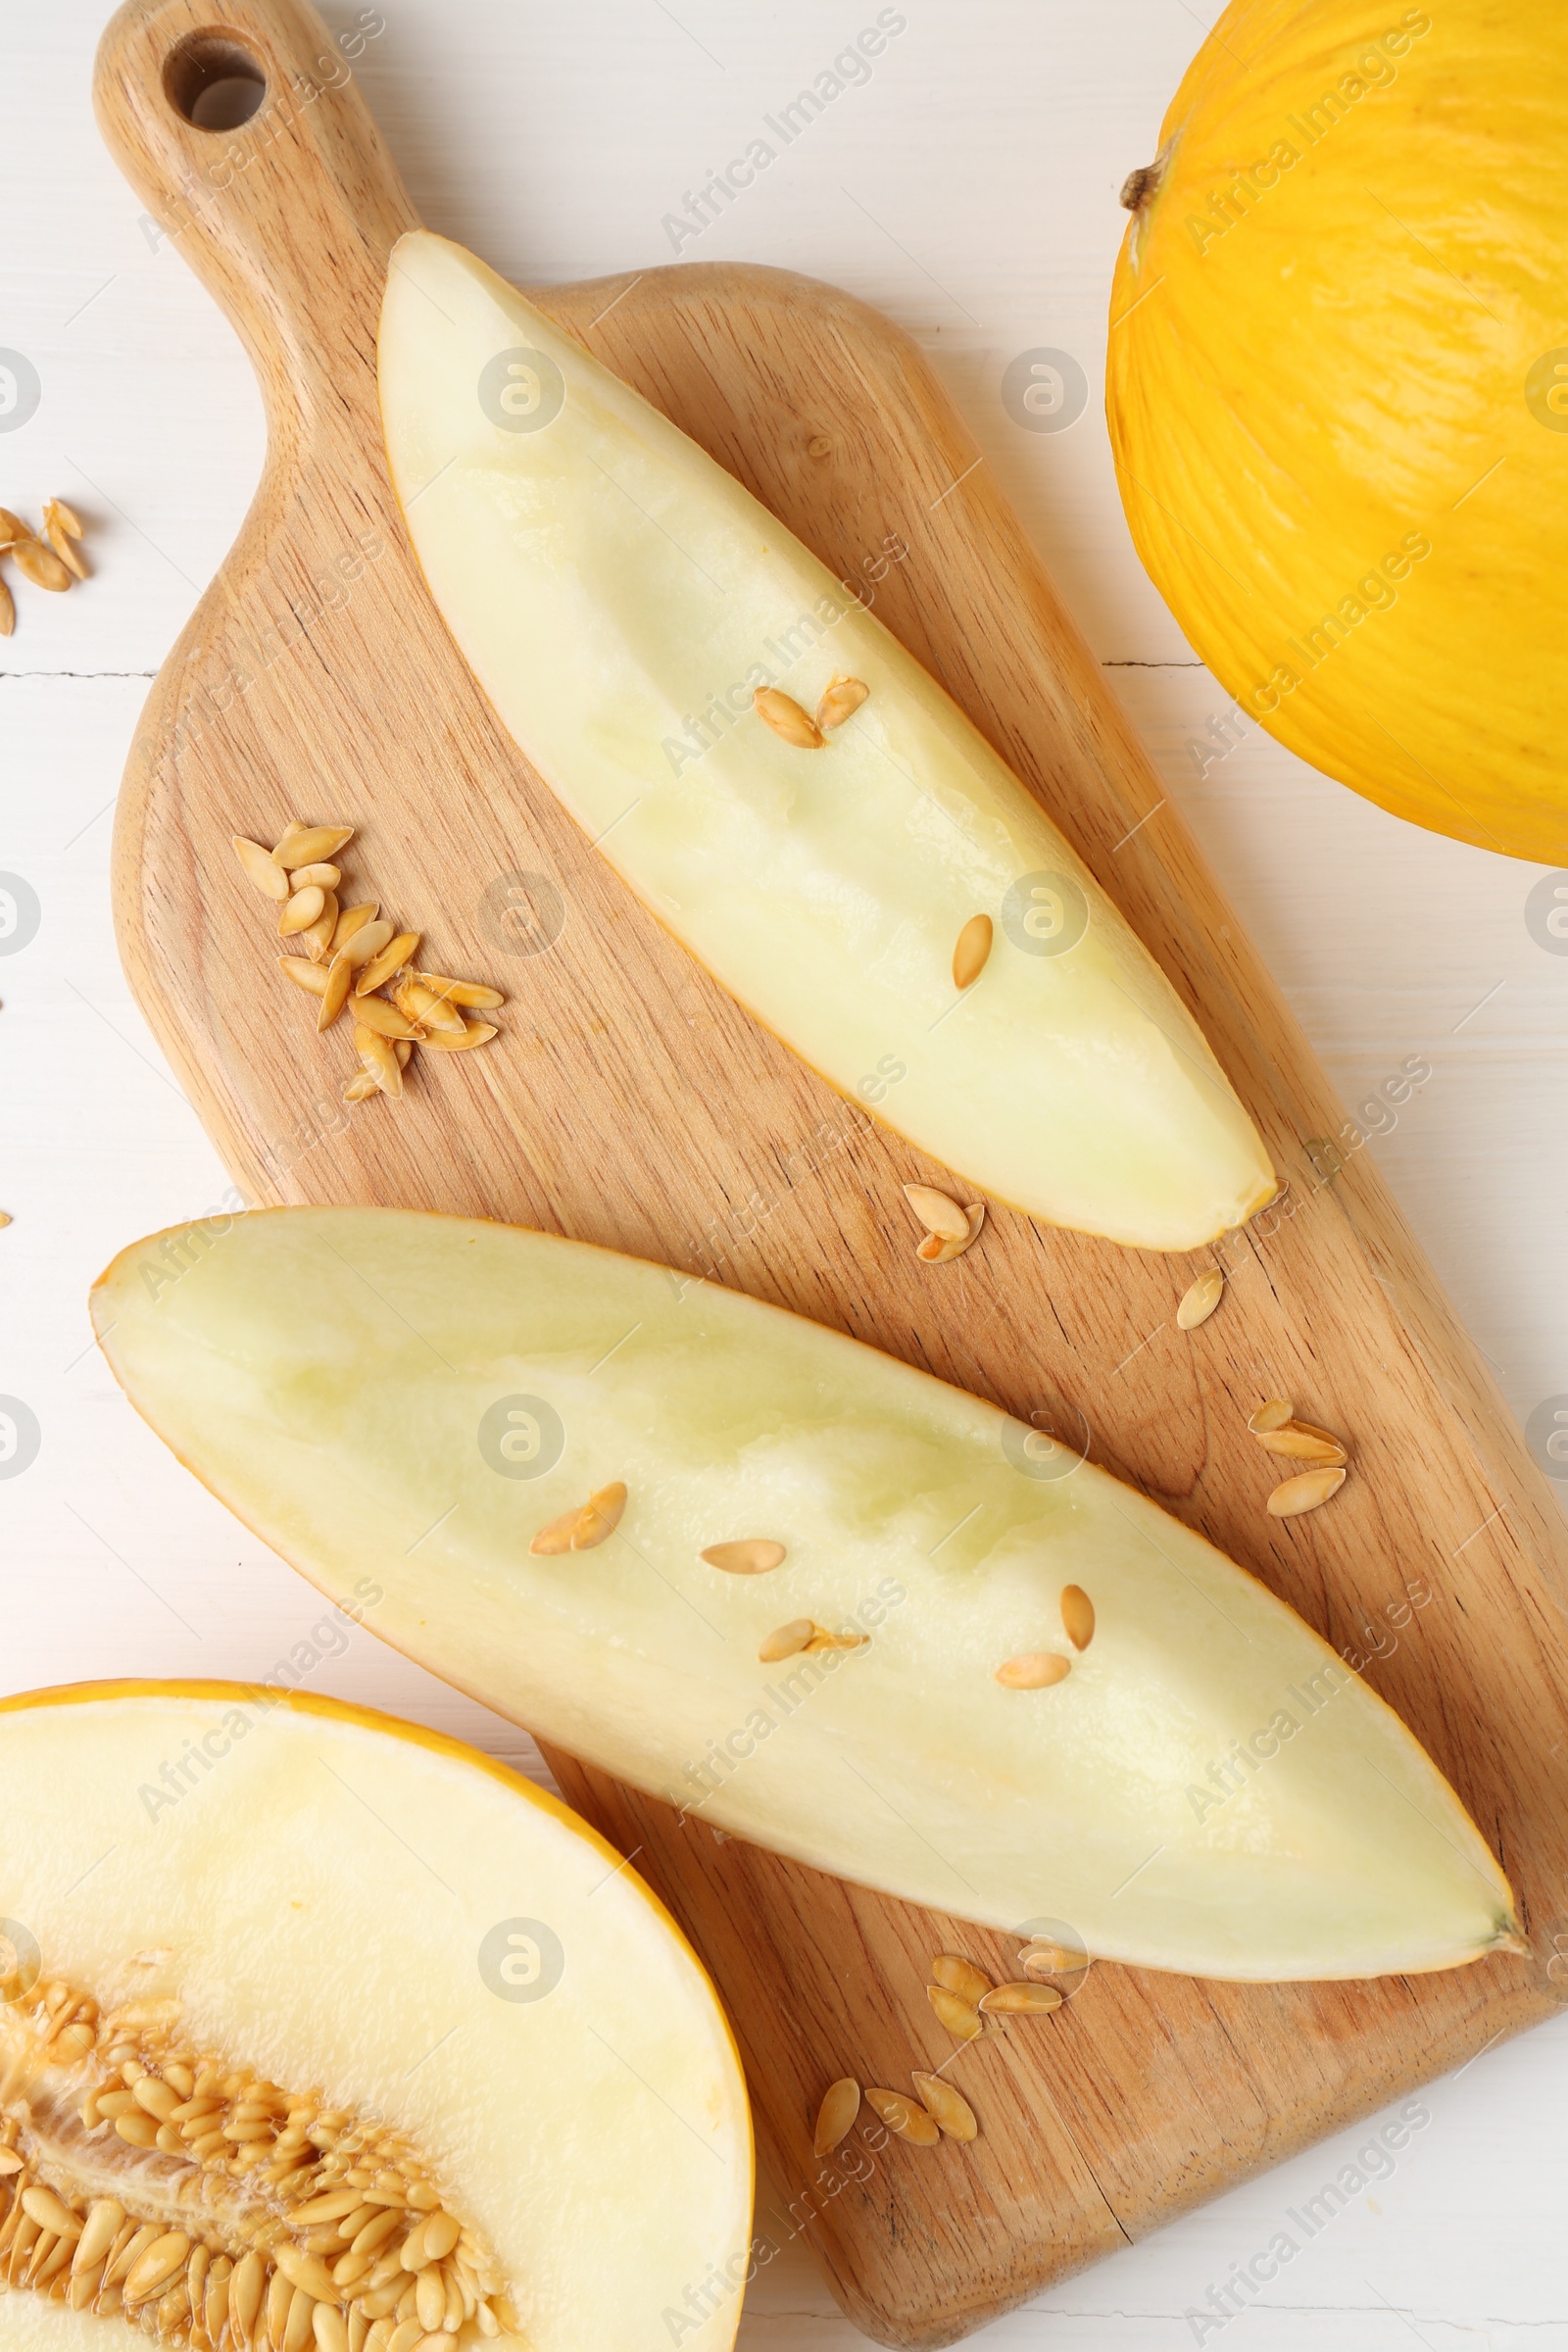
x,y
629,1103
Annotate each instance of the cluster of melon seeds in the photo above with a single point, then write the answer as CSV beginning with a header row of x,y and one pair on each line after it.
x,y
1321,1454
592,1523
352,959
970,2006
949,1229
1040,1669
759,1555
49,559
143,2180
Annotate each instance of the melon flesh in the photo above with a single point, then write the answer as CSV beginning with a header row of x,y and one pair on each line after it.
x,y
293,1892
388,1393
610,584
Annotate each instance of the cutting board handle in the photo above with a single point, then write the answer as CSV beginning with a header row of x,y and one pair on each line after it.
x,y
279,214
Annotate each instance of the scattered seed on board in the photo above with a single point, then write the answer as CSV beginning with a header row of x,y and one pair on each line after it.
x,y
338,980
1200,1300
1077,1616
364,939
1304,1494
376,1055
302,909
784,714
937,1213
1298,1441
1021,2000
311,977
1272,1415
474,1033
947,2107
750,1555
959,1975
1034,1670
841,2104
841,699
961,2017
471,995
317,936
258,867
392,957
353,920
904,2116
974,951
374,1013
8,611
822,1639
431,1012
345,957
938,1250
303,845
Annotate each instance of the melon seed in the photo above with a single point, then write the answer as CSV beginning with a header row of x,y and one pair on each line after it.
x,y
786,1640
1029,2000
961,2017
1077,1616
1034,1670
784,714
1272,1415
902,2115
947,2107
1304,1494
1200,1300
1300,1440
841,699
937,1212
959,1975
751,1555
841,2104
974,951
268,877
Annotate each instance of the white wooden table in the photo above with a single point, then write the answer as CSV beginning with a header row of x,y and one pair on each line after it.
x,y
969,189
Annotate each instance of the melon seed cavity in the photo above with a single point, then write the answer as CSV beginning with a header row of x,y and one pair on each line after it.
x,y
145,2180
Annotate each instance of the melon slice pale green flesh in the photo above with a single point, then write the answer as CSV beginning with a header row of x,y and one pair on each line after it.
x,y
610,584
346,1906
387,1394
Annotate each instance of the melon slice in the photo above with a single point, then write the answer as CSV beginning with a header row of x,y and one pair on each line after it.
x,y
620,599
323,2033
765,1571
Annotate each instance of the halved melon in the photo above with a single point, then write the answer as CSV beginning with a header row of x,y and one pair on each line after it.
x,y
832,1604
323,2033
622,599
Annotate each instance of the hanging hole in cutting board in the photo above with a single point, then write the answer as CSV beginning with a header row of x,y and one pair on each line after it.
x,y
214,80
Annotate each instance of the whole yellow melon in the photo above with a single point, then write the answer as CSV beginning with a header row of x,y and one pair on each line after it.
x,y
1337,395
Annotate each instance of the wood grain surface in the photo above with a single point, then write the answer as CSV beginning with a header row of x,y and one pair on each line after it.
x,y
630,1103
